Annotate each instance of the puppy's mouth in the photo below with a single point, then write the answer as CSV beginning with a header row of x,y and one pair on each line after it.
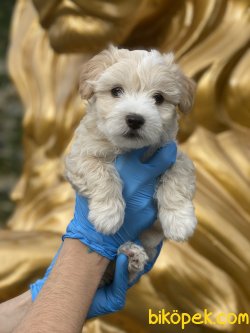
x,y
132,134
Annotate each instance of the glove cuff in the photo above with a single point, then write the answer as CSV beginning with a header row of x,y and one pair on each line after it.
x,y
107,253
35,289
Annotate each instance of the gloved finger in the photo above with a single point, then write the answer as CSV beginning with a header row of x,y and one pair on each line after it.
x,y
139,153
133,156
120,283
100,304
109,299
163,159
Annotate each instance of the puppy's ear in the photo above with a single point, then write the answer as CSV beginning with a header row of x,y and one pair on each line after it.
x,y
188,87
93,68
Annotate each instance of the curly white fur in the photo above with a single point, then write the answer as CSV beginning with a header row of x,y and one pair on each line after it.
x,y
104,133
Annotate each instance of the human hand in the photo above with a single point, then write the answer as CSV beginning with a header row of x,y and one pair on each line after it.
x,y
139,183
139,186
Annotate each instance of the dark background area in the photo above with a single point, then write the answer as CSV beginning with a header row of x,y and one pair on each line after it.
x,y
10,120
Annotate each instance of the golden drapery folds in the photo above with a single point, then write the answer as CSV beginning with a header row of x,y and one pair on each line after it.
x,y
49,41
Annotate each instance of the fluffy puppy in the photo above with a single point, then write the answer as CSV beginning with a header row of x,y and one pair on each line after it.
x,y
132,99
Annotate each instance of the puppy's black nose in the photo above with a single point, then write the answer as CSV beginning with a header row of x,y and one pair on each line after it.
x,y
134,121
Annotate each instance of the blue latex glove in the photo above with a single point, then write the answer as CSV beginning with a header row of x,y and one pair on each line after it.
x,y
112,298
107,299
139,183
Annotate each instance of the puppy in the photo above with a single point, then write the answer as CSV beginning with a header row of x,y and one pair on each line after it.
x,y
132,99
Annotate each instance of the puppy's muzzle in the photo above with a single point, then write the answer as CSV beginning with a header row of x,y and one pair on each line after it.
x,y
134,121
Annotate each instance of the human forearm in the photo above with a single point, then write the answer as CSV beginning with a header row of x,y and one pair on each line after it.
x,y
64,300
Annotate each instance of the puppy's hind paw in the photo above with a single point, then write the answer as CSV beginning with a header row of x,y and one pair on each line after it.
x,y
179,224
137,258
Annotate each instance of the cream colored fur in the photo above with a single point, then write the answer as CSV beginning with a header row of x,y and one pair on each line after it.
x,y
101,136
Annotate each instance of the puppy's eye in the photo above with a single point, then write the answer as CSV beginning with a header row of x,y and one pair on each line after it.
x,y
159,99
117,91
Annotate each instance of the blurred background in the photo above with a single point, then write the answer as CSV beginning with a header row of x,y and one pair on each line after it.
x,y
47,42
10,121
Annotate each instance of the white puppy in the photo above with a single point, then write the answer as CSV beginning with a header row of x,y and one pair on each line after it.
x,y
132,99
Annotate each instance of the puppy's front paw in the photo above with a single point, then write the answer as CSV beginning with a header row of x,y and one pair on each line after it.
x,y
107,217
178,224
137,258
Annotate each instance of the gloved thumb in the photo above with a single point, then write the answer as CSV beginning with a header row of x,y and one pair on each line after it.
x,y
120,282
162,159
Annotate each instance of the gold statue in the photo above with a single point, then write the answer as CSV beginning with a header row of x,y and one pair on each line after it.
x,y
50,39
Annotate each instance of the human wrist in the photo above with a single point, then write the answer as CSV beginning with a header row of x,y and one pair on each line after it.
x,y
103,250
97,262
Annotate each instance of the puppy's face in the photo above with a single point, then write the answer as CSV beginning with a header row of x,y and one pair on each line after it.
x,y
134,95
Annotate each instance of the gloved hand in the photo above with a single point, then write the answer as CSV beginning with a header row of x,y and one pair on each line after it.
x,y
139,180
107,299
139,183
112,298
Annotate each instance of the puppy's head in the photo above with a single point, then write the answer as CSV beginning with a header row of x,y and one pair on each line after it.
x,y
134,95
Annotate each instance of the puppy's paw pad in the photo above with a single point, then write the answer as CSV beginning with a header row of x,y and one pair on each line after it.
x,y
137,257
179,224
